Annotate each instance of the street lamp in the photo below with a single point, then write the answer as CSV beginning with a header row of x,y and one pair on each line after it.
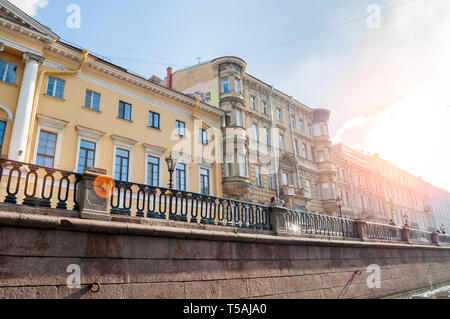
x,y
339,204
171,167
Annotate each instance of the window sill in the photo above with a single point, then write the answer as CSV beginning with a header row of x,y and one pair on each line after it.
x,y
119,118
55,97
89,109
10,84
154,129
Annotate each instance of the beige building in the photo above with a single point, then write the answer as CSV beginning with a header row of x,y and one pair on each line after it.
x,y
273,144
376,190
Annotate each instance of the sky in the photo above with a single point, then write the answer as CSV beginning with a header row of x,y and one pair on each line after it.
x,y
388,87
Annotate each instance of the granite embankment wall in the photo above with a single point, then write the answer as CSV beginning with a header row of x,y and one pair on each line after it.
x,y
133,260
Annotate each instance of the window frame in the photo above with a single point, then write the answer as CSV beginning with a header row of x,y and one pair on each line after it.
x,y
178,128
153,115
148,176
128,164
91,107
7,68
85,161
53,157
124,111
53,93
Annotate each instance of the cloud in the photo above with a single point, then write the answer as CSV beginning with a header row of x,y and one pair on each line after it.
x,y
412,133
30,7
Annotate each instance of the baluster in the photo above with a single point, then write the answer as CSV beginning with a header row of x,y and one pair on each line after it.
x,y
140,208
220,212
162,212
151,211
194,212
46,200
11,198
31,199
62,201
115,208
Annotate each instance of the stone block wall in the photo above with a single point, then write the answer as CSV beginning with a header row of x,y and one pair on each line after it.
x,y
144,261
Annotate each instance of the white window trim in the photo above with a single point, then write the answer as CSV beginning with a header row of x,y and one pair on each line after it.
x,y
186,160
154,151
52,125
211,186
126,144
90,135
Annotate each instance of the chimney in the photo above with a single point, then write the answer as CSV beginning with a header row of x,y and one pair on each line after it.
x,y
169,78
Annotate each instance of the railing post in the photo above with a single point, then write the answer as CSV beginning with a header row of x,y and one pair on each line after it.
x,y
435,238
277,218
361,229
405,234
93,194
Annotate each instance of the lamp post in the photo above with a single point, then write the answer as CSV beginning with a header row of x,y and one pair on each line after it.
x,y
339,204
171,167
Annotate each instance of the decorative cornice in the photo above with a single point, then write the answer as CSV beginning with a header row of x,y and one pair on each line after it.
x,y
51,120
19,46
27,56
117,73
89,131
124,140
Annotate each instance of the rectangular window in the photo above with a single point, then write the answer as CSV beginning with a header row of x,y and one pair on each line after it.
x,y
317,131
180,177
318,192
258,176
321,157
266,136
204,136
264,107
302,125
55,87
2,134
125,111
238,117
279,115
8,72
153,120
293,122
308,188
325,191
152,171
305,152
237,85
92,100
87,155
252,102
46,149
225,85
285,179
310,129
180,128
122,165
255,132
282,143
204,181
270,181
242,166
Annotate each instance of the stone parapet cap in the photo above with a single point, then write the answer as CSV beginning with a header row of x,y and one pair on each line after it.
x,y
215,233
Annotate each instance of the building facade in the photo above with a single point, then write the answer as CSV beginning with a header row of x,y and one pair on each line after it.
x,y
274,146
63,108
439,201
373,189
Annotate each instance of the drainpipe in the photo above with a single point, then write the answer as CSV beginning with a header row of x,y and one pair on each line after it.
x,y
41,76
274,150
293,140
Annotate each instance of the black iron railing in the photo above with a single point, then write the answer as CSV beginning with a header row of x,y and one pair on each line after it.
x,y
383,232
444,239
132,199
420,236
37,186
310,223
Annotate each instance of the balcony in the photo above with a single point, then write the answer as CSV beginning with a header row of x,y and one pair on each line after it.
x,y
236,185
297,193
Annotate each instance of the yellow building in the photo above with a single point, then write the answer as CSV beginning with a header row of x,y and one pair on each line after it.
x,y
63,108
